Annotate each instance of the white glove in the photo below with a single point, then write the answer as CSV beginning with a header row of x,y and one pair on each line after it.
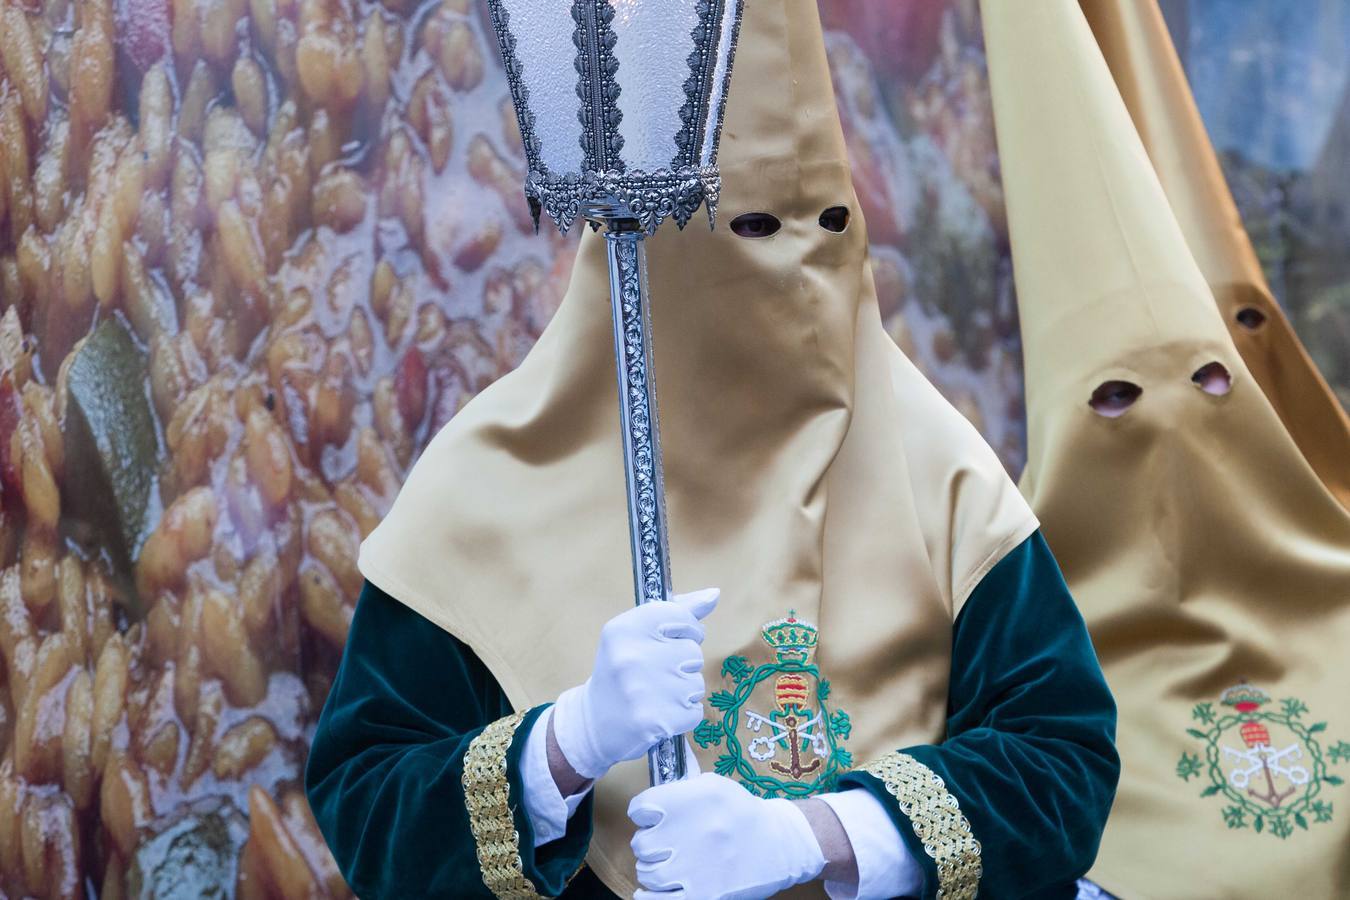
x,y
647,685
709,838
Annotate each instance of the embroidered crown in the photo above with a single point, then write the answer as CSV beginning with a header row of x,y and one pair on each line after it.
x,y
1244,697
791,633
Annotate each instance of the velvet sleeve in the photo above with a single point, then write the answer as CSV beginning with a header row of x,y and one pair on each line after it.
x,y
1013,802
412,709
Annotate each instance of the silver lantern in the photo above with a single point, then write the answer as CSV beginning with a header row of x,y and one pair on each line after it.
x,y
620,106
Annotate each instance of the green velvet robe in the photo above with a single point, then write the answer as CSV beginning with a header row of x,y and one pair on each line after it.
x,y
1029,755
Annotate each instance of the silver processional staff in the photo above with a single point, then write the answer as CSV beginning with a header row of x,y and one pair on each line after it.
x,y
624,137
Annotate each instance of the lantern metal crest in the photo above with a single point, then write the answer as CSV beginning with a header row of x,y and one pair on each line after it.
x,y
620,106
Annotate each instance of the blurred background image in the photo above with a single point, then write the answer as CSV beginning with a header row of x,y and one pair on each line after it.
x,y
254,253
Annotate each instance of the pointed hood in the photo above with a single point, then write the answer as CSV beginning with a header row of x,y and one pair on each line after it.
x,y
809,467
1134,39
1210,561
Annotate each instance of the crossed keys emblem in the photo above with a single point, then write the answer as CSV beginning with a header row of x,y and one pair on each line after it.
x,y
1265,759
788,732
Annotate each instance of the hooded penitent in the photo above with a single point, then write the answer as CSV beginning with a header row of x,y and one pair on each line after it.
x,y
811,472
1210,561
1134,39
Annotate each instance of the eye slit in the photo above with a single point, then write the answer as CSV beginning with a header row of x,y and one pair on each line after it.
x,y
1213,378
834,219
755,224
1250,318
1113,398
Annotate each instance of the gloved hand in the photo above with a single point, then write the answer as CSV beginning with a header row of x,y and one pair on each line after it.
x,y
647,685
708,838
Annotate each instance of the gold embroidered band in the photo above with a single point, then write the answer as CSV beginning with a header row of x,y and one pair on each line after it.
x,y
937,821
486,797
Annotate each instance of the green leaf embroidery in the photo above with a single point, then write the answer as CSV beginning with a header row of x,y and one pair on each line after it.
x,y
1235,817
1281,828
840,725
823,690
1340,752
708,734
1334,779
1211,790
738,667
1259,824
1293,708
725,765
1321,811
1199,735
843,758
1300,821
1316,727
1188,767
722,700
1203,713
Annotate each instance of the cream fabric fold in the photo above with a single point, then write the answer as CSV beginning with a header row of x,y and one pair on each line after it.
x,y
1134,39
1210,561
810,469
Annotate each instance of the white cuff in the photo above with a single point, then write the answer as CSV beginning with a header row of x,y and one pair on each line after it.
x,y
885,866
547,808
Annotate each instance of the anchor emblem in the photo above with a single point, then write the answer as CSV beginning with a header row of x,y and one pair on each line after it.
x,y
791,733
1268,761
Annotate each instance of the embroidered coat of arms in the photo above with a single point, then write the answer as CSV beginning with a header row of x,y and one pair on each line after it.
x,y
1266,762
782,739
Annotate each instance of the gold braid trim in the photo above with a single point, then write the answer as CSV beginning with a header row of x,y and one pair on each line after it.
x,y
490,820
937,821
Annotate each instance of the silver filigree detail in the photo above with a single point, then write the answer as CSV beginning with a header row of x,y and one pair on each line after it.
x,y
649,197
597,86
520,94
642,448
649,533
707,35
665,762
722,101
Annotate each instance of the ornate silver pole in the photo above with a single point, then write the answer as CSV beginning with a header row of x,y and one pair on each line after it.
x,y
620,124
641,441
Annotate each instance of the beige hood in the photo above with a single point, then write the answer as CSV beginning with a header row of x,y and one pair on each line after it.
x,y
1134,39
1210,561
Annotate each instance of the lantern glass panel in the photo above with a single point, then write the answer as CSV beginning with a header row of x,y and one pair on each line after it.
x,y
543,33
652,46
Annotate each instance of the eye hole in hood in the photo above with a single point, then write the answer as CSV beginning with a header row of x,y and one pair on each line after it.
x,y
835,219
1250,318
755,225
1213,378
1113,398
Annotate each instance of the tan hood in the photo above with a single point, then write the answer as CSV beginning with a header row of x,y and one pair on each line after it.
x,y
809,467
1134,39
1211,563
